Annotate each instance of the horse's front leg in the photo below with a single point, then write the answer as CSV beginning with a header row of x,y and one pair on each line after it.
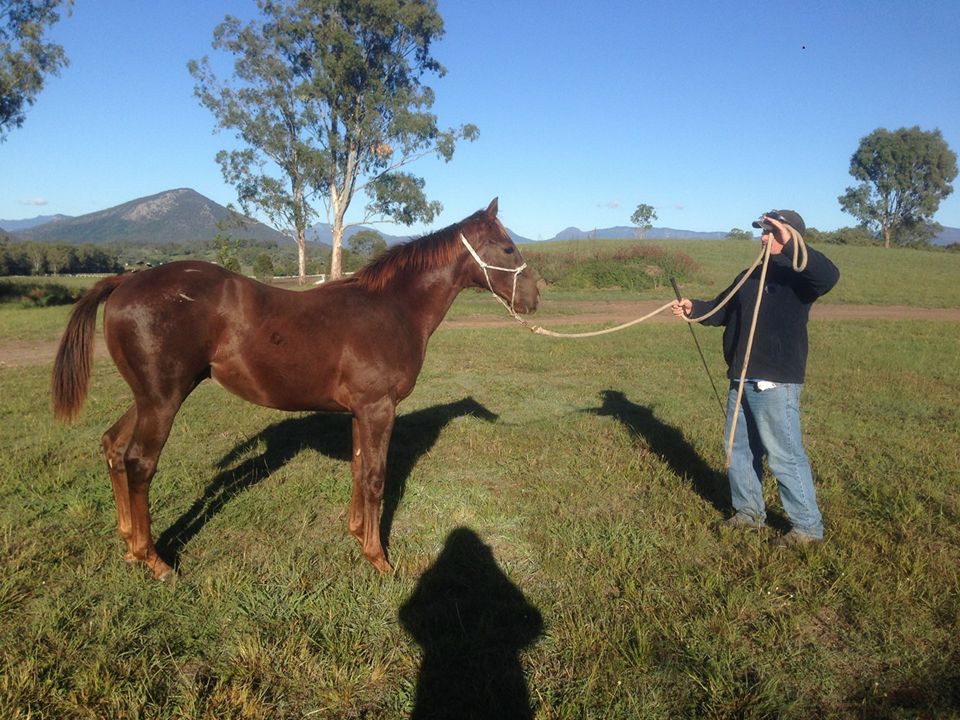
x,y
372,427
355,519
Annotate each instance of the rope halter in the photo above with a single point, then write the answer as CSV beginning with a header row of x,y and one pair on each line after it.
x,y
485,266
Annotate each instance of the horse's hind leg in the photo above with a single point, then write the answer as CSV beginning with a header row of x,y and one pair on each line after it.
x,y
114,442
149,435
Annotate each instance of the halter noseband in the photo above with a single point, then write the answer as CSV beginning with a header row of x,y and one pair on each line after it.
x,y
487,266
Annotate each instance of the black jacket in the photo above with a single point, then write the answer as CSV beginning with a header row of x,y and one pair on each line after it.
x,y
779,351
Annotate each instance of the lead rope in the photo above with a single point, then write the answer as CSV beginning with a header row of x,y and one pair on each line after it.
x,y
536,329
798,262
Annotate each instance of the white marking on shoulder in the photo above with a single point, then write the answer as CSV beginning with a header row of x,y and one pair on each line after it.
x,y
191,270
185,297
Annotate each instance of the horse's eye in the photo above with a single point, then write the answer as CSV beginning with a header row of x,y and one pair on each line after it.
x,y
509,250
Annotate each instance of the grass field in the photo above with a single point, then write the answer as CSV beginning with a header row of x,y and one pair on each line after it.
x,y
869,275
552,512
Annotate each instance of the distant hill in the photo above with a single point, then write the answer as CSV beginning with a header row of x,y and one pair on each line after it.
x,y
622,232
180,216
947,236
185,216
12,226
321,233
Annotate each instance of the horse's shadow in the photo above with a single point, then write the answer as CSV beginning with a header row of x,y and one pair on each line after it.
x,y
330,434
472,623
668,443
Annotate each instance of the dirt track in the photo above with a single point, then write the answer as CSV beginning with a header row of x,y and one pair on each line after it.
x,y
600,314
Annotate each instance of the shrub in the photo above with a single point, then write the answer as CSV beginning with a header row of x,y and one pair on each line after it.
x,y
38,294
263,268
636,267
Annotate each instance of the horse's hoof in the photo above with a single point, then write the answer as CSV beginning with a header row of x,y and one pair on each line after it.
x,y
161,571
383,565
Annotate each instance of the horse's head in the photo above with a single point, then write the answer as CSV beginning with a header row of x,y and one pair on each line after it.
x,y
496,261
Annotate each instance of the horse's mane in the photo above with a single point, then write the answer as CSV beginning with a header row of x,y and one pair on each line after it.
x,y
423,254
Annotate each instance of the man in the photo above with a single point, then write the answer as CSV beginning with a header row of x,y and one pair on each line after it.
x,y
769,419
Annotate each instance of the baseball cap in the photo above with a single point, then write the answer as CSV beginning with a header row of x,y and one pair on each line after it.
x,y
788,217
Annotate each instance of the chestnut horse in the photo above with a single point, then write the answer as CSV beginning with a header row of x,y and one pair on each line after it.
x,y
353,345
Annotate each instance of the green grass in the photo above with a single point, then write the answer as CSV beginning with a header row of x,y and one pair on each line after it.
x,y
553,508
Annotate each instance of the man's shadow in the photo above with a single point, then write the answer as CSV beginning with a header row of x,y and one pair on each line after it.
x,y
667,442
330,434
471,623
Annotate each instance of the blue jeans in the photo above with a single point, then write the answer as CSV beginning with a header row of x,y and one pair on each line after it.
x,y
769,424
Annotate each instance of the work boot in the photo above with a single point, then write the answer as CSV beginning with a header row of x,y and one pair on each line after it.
x,y
795,538
740,521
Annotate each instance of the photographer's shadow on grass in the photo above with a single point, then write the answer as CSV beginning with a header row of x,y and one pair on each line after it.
x,y
330,434
669,444
471,622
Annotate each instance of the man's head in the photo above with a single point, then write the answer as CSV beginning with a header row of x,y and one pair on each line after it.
x,y
787,217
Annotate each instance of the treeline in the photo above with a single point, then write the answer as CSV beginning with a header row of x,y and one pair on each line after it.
x,y
843,236
917,236
909,235
256,257
33,258
265,260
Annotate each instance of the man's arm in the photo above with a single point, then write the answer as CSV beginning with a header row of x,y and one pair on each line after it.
x,y
820,274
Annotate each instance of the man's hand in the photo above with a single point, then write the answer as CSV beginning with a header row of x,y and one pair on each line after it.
x,y
683,306
778,238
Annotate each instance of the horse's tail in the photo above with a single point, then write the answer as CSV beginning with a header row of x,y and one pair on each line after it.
x,y
71,369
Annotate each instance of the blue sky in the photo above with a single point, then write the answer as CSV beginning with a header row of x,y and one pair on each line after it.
x,y
710,111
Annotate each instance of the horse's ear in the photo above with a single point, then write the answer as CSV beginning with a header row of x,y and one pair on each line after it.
x,y
492,208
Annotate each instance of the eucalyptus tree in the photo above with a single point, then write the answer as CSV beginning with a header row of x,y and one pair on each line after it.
x,y
643,218
27,57
904,175
327,99
367,244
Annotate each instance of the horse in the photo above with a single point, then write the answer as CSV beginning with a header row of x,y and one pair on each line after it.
x,y
354,345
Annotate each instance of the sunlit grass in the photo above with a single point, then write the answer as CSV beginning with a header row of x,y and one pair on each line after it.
x,y
592,471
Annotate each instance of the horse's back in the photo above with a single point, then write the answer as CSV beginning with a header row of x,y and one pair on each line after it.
x,y
169,294
327,348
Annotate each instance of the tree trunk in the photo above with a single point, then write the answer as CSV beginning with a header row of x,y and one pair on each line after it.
x,y
336,256
340,201
886,236
301,256
300,215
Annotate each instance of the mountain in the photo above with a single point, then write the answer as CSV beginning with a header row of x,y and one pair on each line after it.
x,y
322,233
185,216
12,226
180,216
622,232
947,236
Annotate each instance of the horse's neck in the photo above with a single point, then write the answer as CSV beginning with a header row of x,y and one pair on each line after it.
x,y
432,293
